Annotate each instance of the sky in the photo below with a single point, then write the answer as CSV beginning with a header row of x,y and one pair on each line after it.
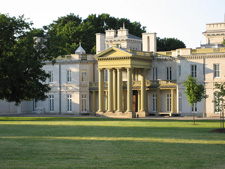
x,y
181,19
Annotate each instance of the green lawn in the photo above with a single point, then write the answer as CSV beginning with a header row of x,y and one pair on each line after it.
x,y
39,142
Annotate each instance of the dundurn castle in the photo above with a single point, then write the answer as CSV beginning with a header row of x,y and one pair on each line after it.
x,y
129,78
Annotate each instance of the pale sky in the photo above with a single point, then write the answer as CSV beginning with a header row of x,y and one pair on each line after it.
x,y
182,19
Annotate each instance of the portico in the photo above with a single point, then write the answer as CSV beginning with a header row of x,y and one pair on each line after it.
x,y
120,65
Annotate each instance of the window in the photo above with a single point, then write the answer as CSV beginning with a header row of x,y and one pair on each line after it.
x,y
51,103
50,79
154,75
169,73
180,102
68,75
154,102
34,104
193,70
83,103
179,71
168,101
216,70
194,108
105,75
83,75
216,103
69,103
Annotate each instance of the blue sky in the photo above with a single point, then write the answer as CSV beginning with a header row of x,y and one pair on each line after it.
x,y
182,19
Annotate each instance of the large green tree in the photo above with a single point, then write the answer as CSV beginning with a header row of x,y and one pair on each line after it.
x,y
21,61
167,44
66,32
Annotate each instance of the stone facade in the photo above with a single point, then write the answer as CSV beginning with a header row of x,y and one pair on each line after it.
x,y
128,78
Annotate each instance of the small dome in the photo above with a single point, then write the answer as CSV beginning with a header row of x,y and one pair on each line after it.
x,y
80,50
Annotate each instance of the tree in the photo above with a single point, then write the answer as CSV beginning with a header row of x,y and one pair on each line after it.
x,y
65,33
167,44
219,101
194,92
21,61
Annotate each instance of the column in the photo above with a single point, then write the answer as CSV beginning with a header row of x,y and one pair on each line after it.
x,y
143,90
110,91
114,90
172,101
119,90
158,100
129,90
100,90
139,100
94,101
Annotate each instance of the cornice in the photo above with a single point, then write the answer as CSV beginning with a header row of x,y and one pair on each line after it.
x,y
201,56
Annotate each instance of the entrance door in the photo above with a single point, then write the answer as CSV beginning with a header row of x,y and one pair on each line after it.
x,y
135,100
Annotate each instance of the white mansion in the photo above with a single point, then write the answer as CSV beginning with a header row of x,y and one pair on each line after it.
x,y
129,78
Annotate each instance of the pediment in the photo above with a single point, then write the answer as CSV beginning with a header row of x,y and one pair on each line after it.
x,y
113,52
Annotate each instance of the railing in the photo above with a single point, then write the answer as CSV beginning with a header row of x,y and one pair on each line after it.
x,y
138,83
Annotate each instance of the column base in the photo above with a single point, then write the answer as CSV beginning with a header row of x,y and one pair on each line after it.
x,y
141,114
117,114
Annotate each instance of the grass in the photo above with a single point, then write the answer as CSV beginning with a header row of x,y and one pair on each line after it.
x,y
40,142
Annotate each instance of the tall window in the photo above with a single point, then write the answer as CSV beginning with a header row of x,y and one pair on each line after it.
x,y
83,75
69,103
34,104
50,79
168,102
216,104
169,73
216,70
154,71
105,75
179,71
193,70
68,75
194,108
51,103
180,102
154,102
84,103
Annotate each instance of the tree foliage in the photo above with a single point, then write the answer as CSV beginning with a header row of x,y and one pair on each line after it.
x,y
65,33
21,73
167,44
194,92
219,101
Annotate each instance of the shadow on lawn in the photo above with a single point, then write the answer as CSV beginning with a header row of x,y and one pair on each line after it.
x,y
95,119
108,131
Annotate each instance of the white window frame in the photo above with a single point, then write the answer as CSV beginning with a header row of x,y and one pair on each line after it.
x,y
179,71
194,108
69,103
50,79
34,104
216,70
168,102
193,70
51,103
169,73
68,76
154,73
215,106
154,102
180,102
84,103
84,75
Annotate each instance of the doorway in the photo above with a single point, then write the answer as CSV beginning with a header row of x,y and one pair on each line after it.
x,y
135,100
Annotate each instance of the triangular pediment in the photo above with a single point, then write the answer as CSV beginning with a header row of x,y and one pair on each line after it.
x,y
113,52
